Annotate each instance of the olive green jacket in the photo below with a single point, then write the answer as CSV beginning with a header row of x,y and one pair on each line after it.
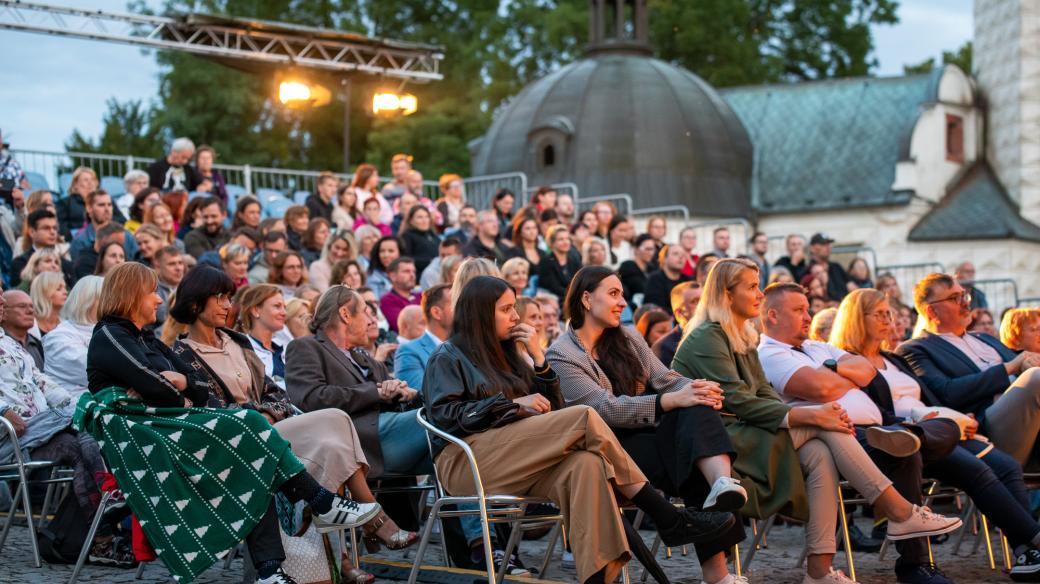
x,y
767,462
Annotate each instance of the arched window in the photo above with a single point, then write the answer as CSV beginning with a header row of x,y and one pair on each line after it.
x,y
548,156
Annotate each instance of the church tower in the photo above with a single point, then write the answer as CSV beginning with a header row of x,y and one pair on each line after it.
x,y
1007,65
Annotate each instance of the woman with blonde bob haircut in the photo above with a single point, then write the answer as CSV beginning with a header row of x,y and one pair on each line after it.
x,y
48,297
777,443
991,477
469,269
45,259
1020,329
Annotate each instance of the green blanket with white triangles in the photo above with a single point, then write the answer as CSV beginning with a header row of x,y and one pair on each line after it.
x,y
198,479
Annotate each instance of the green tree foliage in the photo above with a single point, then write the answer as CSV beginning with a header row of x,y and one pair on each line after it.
x,y
128,127
492,50
960,57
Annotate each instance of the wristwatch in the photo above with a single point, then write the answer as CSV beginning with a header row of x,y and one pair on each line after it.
x,y
831,364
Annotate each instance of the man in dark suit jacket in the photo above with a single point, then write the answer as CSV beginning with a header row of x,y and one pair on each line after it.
x,y
973,372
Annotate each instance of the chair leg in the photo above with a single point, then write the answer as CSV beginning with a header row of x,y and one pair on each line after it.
x,y
140,570
624,575
1005,549
736,560
355,551
514,538
424,540
653,552
968,519
230,556
761,527
15,502
989,544
90,536
554,535
47,499
845,535
485,532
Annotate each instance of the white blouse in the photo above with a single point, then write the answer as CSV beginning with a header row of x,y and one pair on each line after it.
x,y
65,355
906,392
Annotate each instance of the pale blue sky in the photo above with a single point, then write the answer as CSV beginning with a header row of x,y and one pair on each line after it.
x,y
50,85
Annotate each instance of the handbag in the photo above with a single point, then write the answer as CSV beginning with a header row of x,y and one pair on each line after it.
x,y
491,413
307,560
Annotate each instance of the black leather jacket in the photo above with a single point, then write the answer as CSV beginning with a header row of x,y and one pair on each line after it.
x,y
456,401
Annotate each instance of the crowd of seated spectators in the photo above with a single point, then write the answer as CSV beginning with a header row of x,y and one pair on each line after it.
x,y
640,365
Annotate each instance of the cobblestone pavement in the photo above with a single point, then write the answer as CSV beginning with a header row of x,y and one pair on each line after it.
x,y
775,565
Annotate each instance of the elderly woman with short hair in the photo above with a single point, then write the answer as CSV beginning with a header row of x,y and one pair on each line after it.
x,y
1020,329
65,347
234,260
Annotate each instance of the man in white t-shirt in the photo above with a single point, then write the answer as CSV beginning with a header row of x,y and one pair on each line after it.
x,y
809,373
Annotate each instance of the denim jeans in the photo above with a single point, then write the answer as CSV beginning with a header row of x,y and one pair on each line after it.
x,y
995,484
405,452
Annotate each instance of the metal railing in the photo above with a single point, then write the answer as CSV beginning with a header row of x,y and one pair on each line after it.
x,y
564,188
907,275
739,232
1001,294
664,210
480,190
625,208
1028,302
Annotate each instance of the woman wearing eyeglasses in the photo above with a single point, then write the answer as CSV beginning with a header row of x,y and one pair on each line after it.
x,y
988,475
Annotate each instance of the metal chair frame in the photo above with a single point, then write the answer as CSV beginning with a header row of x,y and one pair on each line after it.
x,y
492,508
19,470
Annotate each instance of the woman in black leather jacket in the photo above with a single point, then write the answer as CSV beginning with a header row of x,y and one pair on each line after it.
x,y
478,388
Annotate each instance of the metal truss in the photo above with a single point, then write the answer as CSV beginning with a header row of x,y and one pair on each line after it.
x,y
230,38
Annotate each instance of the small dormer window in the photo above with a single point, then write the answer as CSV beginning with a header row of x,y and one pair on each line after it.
x,y
955,138
548,156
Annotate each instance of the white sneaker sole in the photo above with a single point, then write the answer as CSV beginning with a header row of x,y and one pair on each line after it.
x,y
939,531
898,443
362,519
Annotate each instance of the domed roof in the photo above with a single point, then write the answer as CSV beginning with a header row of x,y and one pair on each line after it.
x,y
618,122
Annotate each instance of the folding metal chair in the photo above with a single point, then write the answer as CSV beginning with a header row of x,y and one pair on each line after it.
x,y
492,508
19,471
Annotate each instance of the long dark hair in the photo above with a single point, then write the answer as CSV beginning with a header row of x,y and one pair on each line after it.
x,y
474,334
621,364
374,263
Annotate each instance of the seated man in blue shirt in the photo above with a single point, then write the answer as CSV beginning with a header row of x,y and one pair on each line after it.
x,y
410,360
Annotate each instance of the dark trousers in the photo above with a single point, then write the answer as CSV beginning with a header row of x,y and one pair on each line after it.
x,y
905,474
264,543
668,456
996,485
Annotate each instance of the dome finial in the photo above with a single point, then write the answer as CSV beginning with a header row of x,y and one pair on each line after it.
x,y
619,26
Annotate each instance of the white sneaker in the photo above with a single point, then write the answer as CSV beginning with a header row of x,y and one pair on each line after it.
x,y
345,514
279,577
726,495
922,523
834,577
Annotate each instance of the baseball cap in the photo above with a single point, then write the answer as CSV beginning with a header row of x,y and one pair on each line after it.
x,y
819,238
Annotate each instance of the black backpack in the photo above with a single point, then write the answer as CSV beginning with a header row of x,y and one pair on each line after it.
x,y
64,535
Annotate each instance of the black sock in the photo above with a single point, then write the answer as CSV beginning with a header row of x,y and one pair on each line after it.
x,y
598,578
663,513
303,487
267,568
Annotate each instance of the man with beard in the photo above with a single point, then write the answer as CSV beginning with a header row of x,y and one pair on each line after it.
x,y
212,233
973,372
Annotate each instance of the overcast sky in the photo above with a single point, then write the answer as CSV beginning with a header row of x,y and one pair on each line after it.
x,y
50,85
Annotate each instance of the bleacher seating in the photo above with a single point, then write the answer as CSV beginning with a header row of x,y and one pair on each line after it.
x,y
300,197
277,207
114,185
37,181
64,182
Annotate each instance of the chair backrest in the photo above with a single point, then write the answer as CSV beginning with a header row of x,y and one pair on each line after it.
x,y
114,185
13,437
37,181
432,430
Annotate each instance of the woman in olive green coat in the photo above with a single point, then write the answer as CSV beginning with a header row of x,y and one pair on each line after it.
x,y
753,414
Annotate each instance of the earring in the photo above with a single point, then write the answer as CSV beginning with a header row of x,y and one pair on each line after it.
x,y
256,315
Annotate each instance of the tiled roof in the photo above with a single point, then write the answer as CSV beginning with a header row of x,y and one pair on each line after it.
x,y
975,207
830,144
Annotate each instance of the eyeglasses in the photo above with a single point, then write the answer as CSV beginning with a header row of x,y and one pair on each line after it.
x,y
883,316
960,298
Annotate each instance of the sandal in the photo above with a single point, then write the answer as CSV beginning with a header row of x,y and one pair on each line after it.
x,y
354,575
398,540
